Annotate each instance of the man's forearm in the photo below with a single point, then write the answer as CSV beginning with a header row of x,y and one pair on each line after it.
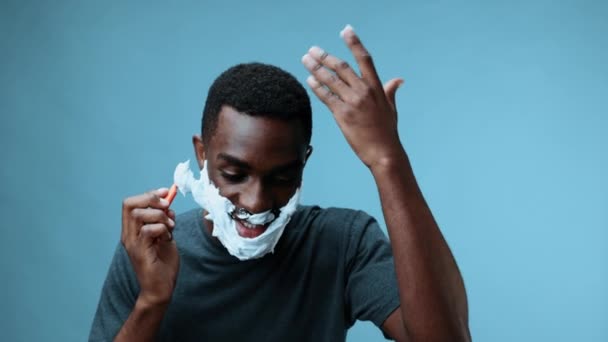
x,y
432,293
143,322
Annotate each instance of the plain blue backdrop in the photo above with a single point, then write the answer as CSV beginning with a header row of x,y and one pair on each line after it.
x,y
504,114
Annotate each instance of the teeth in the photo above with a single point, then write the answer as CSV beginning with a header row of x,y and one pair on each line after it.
x,y
248,225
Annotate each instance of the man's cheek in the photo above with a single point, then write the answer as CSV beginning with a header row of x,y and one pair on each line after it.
x,y
230,191
226,190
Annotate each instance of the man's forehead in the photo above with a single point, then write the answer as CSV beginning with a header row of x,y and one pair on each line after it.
x,y
245,128
245,136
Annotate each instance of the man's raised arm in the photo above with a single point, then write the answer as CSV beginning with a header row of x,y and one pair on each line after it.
x,y
431,289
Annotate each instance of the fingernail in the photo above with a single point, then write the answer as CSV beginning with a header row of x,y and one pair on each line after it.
x,y
316,51
345,29
312,81
171,222
307,60
164,202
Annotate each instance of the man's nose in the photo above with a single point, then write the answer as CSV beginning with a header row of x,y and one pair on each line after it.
x,y
255,198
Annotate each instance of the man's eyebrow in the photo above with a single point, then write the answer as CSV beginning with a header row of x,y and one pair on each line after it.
x,y
233,160
244,165
288,166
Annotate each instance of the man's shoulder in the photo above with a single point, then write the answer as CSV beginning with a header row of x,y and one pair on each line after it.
x,y
329,235
329,224
333,215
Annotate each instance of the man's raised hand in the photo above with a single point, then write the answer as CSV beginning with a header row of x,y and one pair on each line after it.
x,y
363,108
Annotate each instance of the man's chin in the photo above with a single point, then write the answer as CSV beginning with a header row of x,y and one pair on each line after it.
x,y
248,232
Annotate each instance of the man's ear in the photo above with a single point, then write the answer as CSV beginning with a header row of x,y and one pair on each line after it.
x,y
308,153
199,150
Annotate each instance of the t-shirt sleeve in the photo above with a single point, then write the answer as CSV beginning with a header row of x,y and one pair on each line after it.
x,y
371,283
117,299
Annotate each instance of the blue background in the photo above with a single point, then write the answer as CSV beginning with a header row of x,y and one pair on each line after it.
x,y
504,115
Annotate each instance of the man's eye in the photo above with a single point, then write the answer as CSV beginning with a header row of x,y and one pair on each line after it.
x,y
284,179
233,177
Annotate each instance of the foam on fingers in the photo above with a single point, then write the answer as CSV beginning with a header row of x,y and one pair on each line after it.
x,y
346,28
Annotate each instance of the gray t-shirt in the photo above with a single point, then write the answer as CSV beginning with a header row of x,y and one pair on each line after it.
x,y
330,268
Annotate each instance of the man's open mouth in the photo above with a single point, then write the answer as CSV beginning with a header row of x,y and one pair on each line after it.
x,y
248,230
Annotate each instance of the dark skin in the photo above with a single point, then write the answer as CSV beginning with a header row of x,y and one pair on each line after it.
x,y
257,163
431,289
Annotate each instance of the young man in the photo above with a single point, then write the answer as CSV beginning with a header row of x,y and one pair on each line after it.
x,y
254,265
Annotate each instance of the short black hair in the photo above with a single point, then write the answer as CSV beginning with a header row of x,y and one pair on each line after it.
x,y
257,89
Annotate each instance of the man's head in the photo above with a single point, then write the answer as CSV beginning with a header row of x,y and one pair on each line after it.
x,y
257,89
256,130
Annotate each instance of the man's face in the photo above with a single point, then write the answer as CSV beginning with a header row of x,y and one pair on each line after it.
x,y
256,162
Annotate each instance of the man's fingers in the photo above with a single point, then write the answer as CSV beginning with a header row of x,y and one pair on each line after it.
x,y
330,99
332,81
171,214
152,199
151,215
390,89
151,232
136,218
335,64
362,56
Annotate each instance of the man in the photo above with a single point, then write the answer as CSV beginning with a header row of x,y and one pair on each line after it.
x,y
252,266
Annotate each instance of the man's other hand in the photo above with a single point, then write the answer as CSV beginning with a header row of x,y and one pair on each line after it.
x,y
147,225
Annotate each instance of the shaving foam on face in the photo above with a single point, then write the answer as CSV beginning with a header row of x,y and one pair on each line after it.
x,y
219,209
